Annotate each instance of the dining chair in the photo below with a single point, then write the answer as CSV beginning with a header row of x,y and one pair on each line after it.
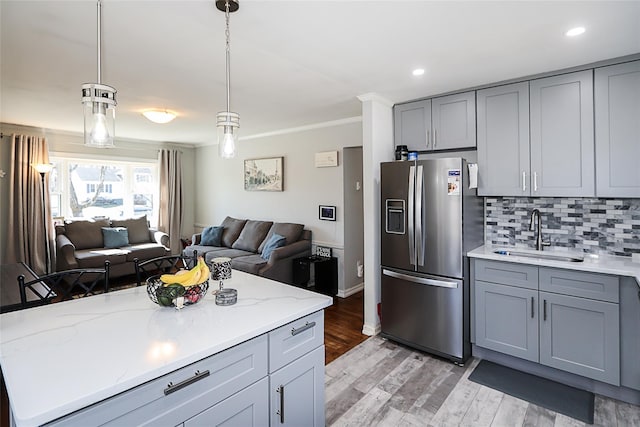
x,y
163,264
64,285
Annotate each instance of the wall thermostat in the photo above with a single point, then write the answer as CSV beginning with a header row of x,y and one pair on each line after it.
x,y
322,251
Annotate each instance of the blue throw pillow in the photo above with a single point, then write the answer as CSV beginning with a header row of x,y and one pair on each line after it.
x,y
274,242
211,236
115,237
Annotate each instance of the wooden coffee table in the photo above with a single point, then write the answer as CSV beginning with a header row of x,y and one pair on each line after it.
x,y
10,290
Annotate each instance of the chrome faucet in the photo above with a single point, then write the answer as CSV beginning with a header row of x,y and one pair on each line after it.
x,y
535,217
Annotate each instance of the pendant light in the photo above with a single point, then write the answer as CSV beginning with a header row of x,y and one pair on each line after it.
x,y
227,122
99,106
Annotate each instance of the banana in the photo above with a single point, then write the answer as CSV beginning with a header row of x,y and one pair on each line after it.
x,y
205,271
196,275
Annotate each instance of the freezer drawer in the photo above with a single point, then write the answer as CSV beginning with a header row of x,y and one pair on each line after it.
x,y
425,312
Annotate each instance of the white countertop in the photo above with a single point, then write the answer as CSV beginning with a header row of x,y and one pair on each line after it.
x,y
65,356
608,264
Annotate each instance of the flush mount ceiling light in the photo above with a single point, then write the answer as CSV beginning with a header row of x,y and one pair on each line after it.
x,y
227,122
159,116
575,32
418,72
99,106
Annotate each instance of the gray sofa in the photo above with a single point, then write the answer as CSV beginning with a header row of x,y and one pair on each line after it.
x,y
81,244
244,240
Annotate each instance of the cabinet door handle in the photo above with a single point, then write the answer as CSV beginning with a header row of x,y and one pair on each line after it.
x,y
544,310
301,329
532,313
535,182
281,410
428,137
171,387
435,137
524,181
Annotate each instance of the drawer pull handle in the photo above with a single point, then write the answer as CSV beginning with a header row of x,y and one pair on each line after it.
x,y
171,387
306,326
281,411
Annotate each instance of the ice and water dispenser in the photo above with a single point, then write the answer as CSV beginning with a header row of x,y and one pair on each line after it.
x,y
395,216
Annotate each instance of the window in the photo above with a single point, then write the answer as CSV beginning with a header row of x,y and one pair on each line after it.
x,y
84,188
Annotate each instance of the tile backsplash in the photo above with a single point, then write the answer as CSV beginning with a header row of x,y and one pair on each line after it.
x,y
595,226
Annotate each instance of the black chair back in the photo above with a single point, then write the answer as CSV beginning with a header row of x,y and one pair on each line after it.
x,y
63,285
163,264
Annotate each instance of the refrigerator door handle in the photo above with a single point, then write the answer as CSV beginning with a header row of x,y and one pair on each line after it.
x,y
420,280
411,197
420,238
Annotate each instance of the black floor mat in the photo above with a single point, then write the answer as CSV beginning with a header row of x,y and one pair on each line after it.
x,y
557,397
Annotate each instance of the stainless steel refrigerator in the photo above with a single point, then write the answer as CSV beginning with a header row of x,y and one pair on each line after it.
x,y
430,219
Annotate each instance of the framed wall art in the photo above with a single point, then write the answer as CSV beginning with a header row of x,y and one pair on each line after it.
x,y
327,213
264,174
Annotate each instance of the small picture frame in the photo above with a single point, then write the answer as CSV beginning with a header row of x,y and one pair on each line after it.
x,y
323,251
327,213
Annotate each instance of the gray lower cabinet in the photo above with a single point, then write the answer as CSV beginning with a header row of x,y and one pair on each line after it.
x,y
581,336
569,320
296,373
297,392
562,143
247,408
506,319
617,109
442,123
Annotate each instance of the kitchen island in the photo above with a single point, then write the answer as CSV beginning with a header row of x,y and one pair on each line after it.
x,y
106,351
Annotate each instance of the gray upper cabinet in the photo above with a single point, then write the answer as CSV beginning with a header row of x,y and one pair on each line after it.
x,y
454,121
617,112
503,140
412,125
443,123
562,145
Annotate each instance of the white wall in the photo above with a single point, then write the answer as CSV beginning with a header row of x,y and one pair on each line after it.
x,y
220,187
72,143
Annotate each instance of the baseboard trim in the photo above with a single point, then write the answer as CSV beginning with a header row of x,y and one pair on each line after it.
x,y
371,330
348,292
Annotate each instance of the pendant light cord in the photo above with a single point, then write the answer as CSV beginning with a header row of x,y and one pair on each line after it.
x,y
99,42
227,34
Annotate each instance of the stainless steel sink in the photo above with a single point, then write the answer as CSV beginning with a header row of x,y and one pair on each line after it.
x,y
553,257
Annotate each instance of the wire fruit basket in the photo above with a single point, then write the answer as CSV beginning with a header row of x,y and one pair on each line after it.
x,y
167,295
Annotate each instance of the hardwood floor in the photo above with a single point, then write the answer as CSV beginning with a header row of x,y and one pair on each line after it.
x,y
381,383
343,325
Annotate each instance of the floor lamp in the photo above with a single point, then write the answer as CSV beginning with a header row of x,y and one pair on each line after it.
x,y
43,169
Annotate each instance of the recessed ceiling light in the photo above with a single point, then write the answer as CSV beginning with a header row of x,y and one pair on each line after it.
x,y
575,32
418,71
159,116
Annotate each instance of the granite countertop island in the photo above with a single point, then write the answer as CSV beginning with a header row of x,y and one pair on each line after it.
x,y
607,264
62,357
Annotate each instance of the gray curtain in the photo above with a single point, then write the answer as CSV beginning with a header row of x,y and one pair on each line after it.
x,y
171,209
27,240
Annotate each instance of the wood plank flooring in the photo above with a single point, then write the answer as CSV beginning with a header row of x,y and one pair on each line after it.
x,y
343,325
381,383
